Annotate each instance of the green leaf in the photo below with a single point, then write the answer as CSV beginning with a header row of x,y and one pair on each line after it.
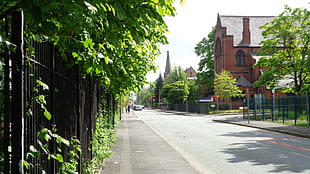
x,y
44,134
26,164
58,157
32,149
47,114
40,83
60,139
74,54
119,11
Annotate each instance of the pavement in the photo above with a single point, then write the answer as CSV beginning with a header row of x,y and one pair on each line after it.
x,y
139,150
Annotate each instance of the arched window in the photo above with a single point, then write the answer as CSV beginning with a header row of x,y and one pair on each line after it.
x,y
240,58
218,51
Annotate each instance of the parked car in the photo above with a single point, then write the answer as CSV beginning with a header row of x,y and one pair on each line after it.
x,y
137,107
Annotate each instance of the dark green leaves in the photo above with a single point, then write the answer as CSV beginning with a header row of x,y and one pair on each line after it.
x,y
286,45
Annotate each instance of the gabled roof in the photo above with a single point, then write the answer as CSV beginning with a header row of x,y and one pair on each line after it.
x,y
234,27
241,81
190,69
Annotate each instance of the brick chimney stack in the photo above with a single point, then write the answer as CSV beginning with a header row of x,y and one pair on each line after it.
x,y
246,31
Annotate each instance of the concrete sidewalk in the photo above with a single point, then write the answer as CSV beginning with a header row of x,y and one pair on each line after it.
x,y
139,150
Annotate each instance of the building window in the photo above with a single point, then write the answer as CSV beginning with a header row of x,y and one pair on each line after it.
x,y
240,58
218,51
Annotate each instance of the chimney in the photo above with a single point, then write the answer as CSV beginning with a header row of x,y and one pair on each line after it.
x,y
246,31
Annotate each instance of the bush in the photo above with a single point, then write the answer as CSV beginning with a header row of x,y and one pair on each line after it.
x,y
224,106
104,137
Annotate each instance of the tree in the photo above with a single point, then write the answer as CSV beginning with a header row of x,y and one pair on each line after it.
x,y
286,41
175,92
144,96
193,90
158,86
115,42
225,85
205,50
177,74
175,88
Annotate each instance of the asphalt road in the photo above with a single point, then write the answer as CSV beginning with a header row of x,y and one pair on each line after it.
x,y
219,148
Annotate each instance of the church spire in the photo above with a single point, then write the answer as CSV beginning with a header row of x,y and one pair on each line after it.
x,y
168,66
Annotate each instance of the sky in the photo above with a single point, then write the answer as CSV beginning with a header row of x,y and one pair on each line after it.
x,y
195,20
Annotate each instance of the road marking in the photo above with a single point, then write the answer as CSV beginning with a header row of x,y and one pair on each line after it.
x,y
270,140
300,155
287,145
158,117
279,138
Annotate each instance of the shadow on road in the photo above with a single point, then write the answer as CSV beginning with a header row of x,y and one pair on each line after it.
x,y
275,151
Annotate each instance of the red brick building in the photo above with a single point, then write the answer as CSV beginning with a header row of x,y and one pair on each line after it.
x,y
237,40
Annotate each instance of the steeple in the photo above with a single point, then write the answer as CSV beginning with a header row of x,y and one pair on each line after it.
x,y
168,66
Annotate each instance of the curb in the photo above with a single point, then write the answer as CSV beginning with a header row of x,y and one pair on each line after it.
x,y
265,128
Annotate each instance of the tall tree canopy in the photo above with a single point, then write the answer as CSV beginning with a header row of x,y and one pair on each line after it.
x,y
175,89
225,85
175,92
113,41
205,50
287,41
177,74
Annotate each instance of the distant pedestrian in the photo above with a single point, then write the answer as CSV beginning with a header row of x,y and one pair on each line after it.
x,y
128,109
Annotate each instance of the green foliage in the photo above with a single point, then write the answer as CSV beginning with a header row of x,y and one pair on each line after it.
x,y
35,156
193,96
176,92
145,94
286,41
175,88
103,139
225,85
115,42
205,50
38,153
224,106
40,99
177,74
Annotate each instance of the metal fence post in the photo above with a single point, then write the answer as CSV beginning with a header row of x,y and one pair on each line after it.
x,y
254,107
17,93
282,109
308,102
295,110
273,105
7,105
263,107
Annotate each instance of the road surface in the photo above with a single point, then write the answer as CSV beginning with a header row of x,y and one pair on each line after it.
x,y
219,148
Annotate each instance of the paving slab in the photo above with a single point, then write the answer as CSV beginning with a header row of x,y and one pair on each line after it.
x,y
139,150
